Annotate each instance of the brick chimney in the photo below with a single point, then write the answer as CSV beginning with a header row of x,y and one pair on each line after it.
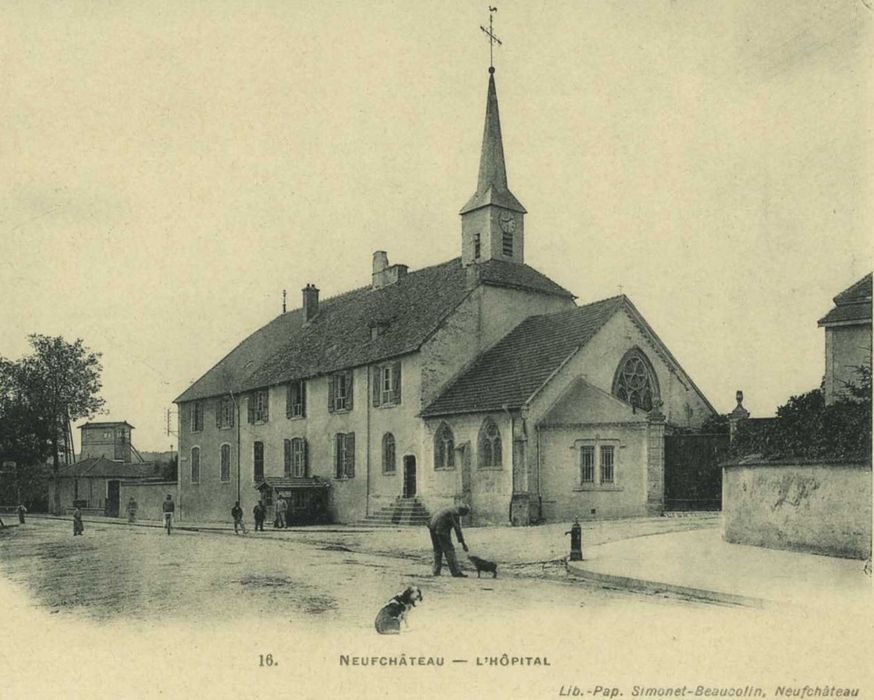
x,y
310,302
383,273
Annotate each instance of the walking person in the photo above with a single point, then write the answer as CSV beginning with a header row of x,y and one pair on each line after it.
x,y
131,510
21,511
280,512
168,508
259,512
78,526
441,526
237,515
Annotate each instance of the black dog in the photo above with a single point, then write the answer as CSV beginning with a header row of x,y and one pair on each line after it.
x,y
388,619
483,565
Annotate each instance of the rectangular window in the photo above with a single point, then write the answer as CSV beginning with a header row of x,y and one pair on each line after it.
x,y
587,464
476,247
286,457
225,472
606,464
258,406
508,244
387,384
340,391
196,416
258,461
195,465
344,455
298,457
224,413
295,399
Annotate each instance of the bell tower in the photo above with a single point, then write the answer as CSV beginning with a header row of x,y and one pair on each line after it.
x,y
493,220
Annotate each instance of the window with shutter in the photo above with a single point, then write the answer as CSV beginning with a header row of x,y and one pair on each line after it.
x,y
340,391
258,461
387,384
298,457
286,454
195,465
225,472
295,400
350,455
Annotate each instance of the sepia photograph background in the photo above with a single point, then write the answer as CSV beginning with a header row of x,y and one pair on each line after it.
x,y
168,169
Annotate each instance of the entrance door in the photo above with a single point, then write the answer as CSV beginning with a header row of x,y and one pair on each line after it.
x,y
409,476
112,492
693,477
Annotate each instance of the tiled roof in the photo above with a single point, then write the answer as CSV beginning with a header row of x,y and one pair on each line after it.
x,y
100,467
519,364
339,336
851,305
104,424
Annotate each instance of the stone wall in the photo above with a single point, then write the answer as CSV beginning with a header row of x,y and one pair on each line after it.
x,y
149,497
821,508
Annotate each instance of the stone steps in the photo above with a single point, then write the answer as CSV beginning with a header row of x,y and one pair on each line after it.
x,y
403,512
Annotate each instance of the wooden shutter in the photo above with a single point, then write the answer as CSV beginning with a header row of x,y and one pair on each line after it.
x,y
350,455
218,412
348,405
375,374
232,414
265,410
303,397
306,457
331,393
287,457
289,401
396,376
250,403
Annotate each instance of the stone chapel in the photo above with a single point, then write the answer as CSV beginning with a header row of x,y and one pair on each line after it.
x,y
475,380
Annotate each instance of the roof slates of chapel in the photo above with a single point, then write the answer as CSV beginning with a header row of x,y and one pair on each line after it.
x,y
518,365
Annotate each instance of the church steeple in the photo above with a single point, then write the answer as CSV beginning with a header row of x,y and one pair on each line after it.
x,y
491,186
492,220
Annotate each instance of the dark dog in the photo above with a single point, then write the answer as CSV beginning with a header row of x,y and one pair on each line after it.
x,y
388,620
483,565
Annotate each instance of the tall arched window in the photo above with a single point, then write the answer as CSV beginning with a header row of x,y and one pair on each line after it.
x,y
388,453
489,452
635,381
195,465
444,448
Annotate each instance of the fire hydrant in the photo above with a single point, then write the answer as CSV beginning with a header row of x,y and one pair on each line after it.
x,y
576,533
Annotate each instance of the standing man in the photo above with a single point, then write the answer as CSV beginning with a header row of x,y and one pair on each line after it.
x,y
21,511
168,507
441,526
280,512
131,510
237,515
259,512
78,527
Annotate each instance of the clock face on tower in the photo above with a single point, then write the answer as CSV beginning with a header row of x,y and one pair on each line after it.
x,y
508,223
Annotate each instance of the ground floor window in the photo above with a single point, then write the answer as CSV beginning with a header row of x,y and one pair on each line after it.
x,y
225,469
258,461
597,462
195,465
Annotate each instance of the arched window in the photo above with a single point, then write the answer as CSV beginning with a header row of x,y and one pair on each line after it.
x,y
635,381
195,465
444,448
489,452
388,453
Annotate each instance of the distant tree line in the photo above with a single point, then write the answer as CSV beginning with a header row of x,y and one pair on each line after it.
x,y
40,394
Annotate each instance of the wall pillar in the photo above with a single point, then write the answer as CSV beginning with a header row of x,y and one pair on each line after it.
x,y
655,461
736,416
520,509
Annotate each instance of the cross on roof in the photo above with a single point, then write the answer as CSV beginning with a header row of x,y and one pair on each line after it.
x,y
492,38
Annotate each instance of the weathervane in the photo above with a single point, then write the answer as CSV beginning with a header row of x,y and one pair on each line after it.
x,y
492,38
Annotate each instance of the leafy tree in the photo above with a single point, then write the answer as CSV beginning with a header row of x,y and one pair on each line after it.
x,y
59,382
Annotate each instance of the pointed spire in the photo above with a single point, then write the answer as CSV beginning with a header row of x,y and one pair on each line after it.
x,y
492,183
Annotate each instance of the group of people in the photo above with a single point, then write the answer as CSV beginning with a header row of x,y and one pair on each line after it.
x,y
259,513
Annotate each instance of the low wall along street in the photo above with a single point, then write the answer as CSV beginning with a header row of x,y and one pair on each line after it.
x,y
814,507
148,495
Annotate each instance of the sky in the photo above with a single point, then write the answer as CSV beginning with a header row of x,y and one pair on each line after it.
x,y
167,169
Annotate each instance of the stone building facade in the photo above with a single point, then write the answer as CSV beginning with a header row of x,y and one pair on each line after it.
x,y
477,380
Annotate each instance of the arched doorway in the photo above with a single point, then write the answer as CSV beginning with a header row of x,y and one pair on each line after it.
x,y
409,476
